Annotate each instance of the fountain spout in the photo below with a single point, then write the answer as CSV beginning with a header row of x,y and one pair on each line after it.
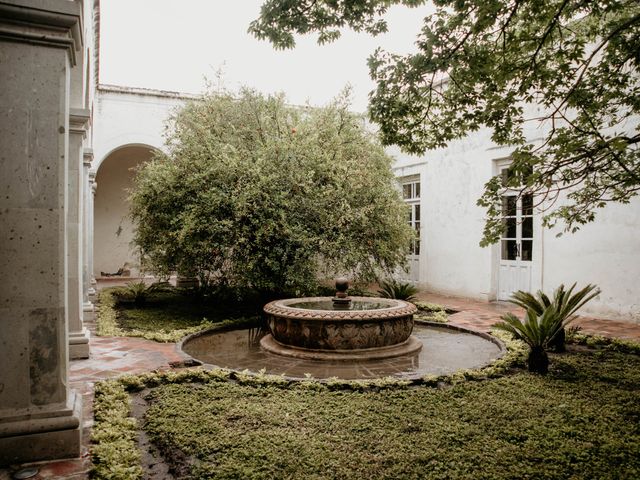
x,y
341,301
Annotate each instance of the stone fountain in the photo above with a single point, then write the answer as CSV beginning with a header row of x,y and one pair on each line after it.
x,y
344,337
340,328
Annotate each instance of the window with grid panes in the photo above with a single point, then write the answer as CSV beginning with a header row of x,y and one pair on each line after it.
x,y
411,195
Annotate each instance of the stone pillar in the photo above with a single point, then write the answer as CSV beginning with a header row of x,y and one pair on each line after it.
x,y
78,334
87,235
92,197
40,417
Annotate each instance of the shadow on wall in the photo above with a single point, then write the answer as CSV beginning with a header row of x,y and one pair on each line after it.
x,y
112,229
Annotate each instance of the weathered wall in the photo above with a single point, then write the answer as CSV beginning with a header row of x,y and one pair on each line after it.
x,y
128,125
606,252
40,42
113,230
131,116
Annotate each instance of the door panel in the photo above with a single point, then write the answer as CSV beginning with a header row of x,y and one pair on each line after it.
x,y
516,246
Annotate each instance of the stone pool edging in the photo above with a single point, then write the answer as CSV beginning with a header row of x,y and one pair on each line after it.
x,y
512,354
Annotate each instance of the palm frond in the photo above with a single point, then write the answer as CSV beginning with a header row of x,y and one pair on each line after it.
x,y
545,317
397,290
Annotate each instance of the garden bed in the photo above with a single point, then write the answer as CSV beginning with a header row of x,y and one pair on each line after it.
x,y
580,421
169,316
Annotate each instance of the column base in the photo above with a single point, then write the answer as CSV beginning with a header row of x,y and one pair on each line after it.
x,y
37,434
79,344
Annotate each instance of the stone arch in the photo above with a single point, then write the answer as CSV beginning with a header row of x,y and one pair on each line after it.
x,y
112,228
119,142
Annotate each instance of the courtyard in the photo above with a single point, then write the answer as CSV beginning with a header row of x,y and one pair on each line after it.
x,y
445,439
319,239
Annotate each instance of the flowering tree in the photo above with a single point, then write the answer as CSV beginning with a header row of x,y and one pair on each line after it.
x,y
256,193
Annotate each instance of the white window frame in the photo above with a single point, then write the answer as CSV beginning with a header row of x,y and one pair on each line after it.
x,y
411,197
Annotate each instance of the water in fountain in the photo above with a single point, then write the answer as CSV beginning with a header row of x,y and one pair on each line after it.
x,y
345,337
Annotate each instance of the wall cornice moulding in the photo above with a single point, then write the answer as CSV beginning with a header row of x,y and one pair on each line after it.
x,y
53,23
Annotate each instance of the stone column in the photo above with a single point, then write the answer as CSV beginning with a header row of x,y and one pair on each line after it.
x,y
87,235
92,196
78,334
40,417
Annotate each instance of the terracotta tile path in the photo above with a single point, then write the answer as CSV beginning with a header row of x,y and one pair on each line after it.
x,y
480,315
114,356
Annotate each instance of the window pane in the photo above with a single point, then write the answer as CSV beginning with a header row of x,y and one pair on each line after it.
x,y
509,227
417,195
509,205
527,227
416,250
527,204
509,249
406,190
527,250
417,212
504,173
417,226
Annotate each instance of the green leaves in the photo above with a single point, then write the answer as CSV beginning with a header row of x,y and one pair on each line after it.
x,y
279,19
398,290
578,422
255,193
571,66
545,318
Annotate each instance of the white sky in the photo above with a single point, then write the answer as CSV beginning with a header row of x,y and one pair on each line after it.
x,y
175,44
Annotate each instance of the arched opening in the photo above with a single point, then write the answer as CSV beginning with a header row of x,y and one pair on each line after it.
x,y
113,229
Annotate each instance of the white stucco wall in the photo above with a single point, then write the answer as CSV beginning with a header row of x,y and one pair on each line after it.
x,y
606,252
113,230
131,116
128,125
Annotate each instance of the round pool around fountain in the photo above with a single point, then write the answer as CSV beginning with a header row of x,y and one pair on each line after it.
x,y
445,350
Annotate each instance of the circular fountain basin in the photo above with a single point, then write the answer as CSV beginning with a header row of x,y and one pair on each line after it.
x,y
446,350
311,328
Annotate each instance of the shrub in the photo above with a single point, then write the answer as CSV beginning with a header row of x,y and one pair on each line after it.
x,y
562,302
544,319
138,292
255,193
397,290
432,312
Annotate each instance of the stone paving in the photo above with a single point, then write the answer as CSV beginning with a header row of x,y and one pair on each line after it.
x,y
114,356
479,315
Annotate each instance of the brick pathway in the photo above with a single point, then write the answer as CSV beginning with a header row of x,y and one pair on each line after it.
x,y
480,315
114,356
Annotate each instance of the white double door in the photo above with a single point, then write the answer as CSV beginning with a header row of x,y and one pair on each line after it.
x,y
516,249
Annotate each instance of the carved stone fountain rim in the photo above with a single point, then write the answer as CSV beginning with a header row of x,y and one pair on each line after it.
x,y
282,308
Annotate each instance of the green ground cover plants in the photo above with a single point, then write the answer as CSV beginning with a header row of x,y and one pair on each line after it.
x,y
168,316
431,312
582,420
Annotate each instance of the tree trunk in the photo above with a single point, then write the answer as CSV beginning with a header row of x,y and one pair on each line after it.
x,y
538,361
558,341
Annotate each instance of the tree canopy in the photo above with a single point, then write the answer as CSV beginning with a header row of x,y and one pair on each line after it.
x,y
255,193
486,63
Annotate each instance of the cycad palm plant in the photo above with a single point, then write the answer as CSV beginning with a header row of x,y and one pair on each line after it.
x,y
563,302
397,290
545,319
139,291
